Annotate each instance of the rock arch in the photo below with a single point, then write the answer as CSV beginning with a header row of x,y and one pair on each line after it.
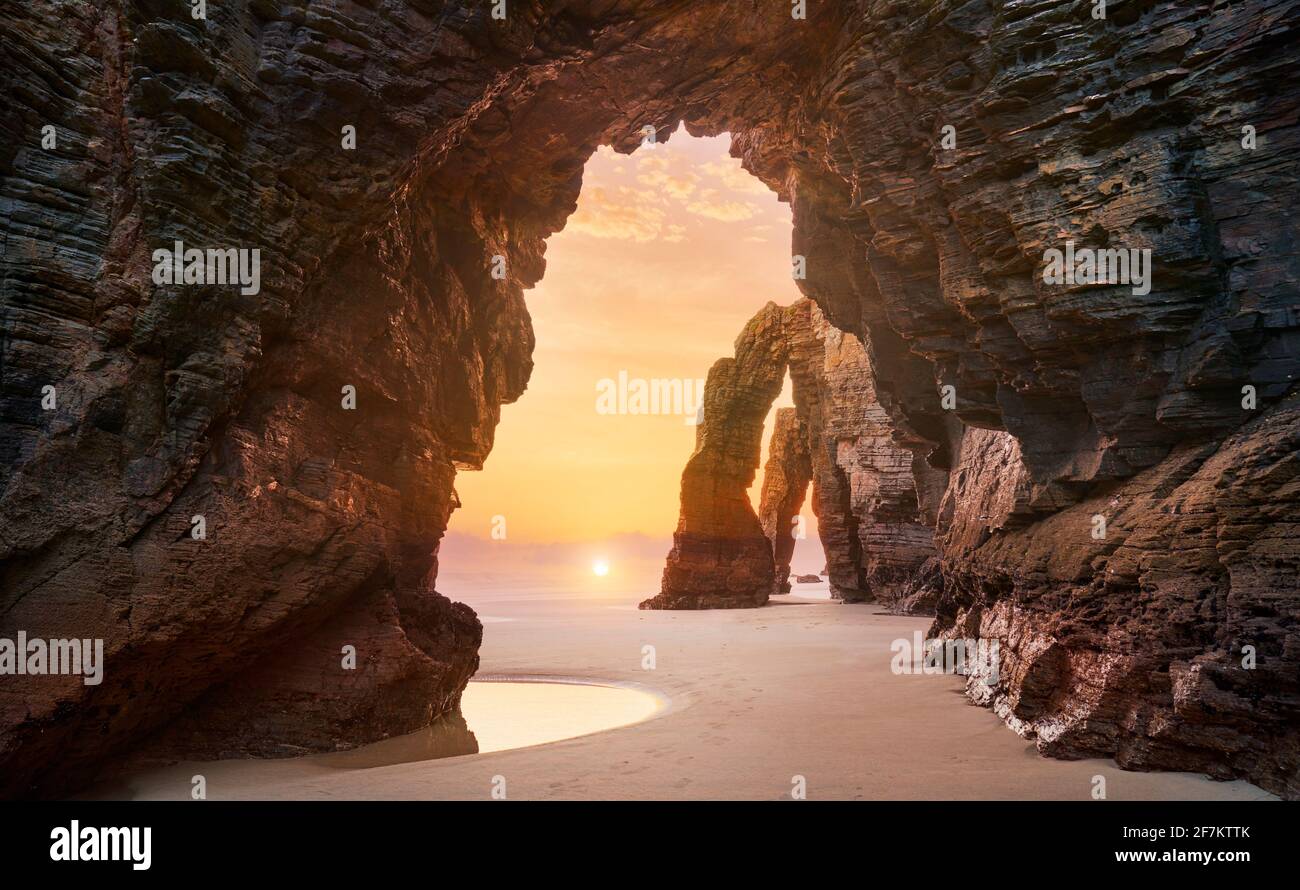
x,y
837,438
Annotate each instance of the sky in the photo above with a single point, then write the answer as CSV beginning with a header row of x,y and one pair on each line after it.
x,y
670,252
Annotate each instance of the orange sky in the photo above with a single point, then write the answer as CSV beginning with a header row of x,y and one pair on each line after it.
x,y
670,252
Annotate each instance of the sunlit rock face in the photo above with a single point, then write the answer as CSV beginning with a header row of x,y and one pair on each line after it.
x,y
832,490
837,437
177,401
721,557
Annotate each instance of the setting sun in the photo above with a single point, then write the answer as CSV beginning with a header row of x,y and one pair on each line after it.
x,y
600,568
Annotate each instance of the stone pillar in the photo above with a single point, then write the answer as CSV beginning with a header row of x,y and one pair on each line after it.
x,y
785,484
721,558
892,536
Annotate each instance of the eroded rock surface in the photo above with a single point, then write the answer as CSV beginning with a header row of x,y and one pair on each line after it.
x,y
1168,637
893,540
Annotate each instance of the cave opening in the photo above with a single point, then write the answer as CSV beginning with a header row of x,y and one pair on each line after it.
x,y
929,166
670,249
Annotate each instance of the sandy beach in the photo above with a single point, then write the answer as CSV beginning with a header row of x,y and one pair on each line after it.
x,y
749,699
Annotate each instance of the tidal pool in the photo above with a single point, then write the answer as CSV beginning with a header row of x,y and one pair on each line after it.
x,y
497,714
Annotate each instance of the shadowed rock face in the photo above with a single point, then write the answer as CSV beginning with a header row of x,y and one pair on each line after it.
x,y
893,540
176,401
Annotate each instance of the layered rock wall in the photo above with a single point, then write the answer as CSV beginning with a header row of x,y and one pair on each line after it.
x,y
893,539
1156,620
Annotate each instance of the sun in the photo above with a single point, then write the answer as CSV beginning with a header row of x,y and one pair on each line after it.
x,y
600,568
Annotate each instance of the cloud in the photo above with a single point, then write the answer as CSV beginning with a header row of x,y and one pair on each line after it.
x,y
638,196
605,215
679,185
710,205
649,196
734,177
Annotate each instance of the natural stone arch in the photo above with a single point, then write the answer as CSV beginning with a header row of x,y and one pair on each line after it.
x,y
837,438
471,139
721,557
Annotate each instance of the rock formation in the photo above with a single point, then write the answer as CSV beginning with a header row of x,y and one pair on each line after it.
x,y
932,157
721,557
1154,619
878,474
832,491
786,477
837,437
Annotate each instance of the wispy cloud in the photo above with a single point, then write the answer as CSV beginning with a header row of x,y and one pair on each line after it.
x,y
712,206
716,190
603,213
734,177
676,185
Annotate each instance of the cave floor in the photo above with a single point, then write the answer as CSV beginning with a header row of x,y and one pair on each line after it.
x,y
758,697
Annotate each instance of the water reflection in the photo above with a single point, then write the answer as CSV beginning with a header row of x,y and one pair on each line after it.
x,y
496,715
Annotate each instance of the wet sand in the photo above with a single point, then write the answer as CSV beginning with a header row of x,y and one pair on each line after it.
x,y
755,698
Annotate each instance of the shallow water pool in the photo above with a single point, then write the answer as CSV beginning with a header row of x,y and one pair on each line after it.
x,y
513,712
